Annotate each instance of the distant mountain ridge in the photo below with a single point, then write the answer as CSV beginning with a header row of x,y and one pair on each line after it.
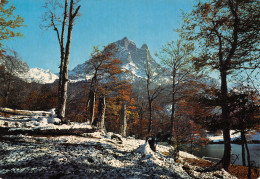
x,y
39,75
133,60
20,69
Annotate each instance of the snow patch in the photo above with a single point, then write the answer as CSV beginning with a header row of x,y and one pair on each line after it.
x,y
218,138
39,76
146,150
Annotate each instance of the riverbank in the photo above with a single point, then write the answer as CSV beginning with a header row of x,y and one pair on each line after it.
x,y
236,170
236,142
216,151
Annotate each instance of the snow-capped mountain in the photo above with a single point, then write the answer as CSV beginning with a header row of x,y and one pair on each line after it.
x,y
38,75
133,63
20,69
133,60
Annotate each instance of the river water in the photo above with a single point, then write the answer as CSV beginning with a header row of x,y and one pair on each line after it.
x,y
217,150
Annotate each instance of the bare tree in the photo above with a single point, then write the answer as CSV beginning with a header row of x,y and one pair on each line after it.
x,y
153,90
176,56
53,19
10,67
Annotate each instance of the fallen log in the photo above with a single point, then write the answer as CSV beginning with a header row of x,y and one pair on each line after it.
x,y
47,132
24,112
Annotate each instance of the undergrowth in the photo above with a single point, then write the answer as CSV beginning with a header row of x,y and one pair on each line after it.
x,y
235,170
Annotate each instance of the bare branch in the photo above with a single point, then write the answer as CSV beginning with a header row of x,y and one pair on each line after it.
x,y
76,12
55,28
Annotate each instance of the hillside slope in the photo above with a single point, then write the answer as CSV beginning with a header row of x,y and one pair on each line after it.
x,y
89,155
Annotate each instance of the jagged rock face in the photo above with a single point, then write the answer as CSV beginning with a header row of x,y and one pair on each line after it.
x,y
133,60
129,53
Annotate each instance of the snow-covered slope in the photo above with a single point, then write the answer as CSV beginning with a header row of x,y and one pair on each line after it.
x,y
89,155
38,75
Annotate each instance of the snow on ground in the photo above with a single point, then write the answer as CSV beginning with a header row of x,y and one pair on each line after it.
x,y
39,122
218,138
91,155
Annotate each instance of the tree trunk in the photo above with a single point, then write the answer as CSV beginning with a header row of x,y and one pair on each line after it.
x,y
225,118
101,113
123,123
149,101
141,113
243,136
92,100
7,94
177,142
173,105
62,57
224,92
64,87
243,149
64,80
150,117
92,103
191,143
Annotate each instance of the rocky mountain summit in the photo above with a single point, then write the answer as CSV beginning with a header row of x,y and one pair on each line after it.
x,y
133,60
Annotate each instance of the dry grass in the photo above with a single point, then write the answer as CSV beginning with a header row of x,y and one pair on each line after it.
x,y
168,154
5,114
235,170
199,162
241,171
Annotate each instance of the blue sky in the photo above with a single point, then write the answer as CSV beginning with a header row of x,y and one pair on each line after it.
x,y
101,22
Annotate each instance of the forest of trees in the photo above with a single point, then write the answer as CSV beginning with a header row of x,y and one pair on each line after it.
x,y
180,112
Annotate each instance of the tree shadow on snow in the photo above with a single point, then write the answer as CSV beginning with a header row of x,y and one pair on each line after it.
x,y
80,161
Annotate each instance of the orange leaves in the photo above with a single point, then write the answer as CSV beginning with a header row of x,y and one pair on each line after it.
x,y
105,69
132,101
205,9
41,99
116,61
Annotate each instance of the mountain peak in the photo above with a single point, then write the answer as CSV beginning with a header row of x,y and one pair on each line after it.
x,y
125,39
126,43
133,59
144,46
